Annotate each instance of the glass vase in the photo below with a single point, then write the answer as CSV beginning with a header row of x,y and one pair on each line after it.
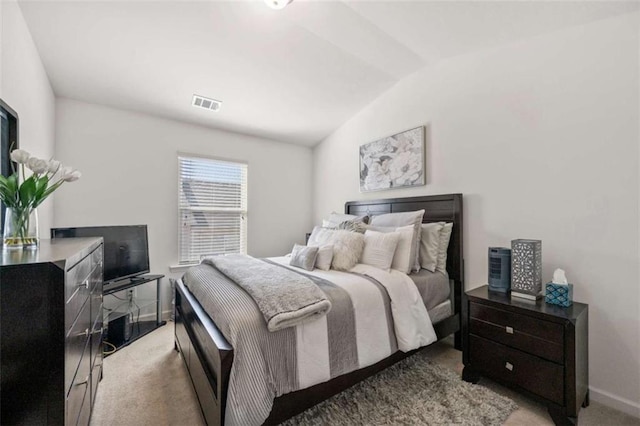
x,y
20,229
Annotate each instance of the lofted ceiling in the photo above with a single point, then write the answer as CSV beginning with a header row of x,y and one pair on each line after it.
x,y
293,75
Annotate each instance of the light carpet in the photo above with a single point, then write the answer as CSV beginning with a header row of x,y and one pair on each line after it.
x,y
146,383
413,392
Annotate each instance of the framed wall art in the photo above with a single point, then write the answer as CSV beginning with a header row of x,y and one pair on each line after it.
x,y
393,162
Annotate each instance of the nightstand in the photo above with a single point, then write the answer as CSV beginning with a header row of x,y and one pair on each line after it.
x,y
538,349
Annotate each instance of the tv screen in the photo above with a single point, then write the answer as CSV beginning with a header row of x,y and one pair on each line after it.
x,y
126,249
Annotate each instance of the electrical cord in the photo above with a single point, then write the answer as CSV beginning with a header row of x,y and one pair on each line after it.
x,y
109,352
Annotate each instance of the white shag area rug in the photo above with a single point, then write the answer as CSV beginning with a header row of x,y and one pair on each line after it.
x,y
413,392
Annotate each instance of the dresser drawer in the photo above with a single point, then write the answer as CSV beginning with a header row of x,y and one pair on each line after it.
x,y
95,281
521,324
96,374
96,340
76,344
512,366
77,289
79,390
516,339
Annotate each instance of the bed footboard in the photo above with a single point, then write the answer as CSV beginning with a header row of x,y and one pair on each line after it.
x,y
206,353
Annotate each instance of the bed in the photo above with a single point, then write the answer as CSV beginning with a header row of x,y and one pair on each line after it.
x,y
209,357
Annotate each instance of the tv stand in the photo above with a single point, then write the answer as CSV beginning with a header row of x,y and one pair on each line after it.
x,y
123,331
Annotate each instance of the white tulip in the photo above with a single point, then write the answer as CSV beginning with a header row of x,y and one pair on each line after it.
x,y
65,171
70,175
20,156
37,165
54,166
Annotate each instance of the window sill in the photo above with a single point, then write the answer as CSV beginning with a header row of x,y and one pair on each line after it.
x,y
181,268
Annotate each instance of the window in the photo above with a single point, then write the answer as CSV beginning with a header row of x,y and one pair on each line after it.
x,y
212,203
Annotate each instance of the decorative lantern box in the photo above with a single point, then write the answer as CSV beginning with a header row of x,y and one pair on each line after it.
x,y
559,294
526,269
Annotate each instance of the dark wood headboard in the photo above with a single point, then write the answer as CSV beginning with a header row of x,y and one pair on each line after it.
x,y
438,208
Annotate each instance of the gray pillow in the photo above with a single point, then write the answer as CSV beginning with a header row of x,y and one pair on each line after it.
x,y
429,244
336,219
303,257
353,226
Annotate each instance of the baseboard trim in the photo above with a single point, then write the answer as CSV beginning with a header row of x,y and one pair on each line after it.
x,y
621,404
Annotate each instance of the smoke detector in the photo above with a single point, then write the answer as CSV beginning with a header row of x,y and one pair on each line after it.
x,y
206,103
277,4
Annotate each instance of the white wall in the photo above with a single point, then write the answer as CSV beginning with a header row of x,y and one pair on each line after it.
x,y
541,137
129,165
25,87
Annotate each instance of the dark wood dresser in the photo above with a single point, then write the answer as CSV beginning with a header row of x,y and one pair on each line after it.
x,y
536,348
51,332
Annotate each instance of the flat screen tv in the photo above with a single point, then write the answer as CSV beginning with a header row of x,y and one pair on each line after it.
x,y
126,248
8,142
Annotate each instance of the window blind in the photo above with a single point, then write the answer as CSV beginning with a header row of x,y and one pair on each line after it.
x,y
212,203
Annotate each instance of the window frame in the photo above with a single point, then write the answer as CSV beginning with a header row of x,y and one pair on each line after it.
x,y
183,261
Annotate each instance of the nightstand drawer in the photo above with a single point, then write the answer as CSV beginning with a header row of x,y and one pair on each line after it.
x,y
516,339
540,329
515,367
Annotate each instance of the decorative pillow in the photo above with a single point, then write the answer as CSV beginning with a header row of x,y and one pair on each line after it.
x,y
403,257
429,243
325,255
304,257
445,236
353,226
336,219
319,236
347,249
403,219
379,248
347,246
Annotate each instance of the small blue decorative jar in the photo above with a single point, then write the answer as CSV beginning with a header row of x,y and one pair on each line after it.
x,y
559,294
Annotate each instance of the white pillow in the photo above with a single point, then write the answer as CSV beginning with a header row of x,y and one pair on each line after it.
x,y
347,249
445,236
319,236
429,243
403,219
403,257
379,248
325,255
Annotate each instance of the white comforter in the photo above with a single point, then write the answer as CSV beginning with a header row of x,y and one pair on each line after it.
x,y
370,319
412,325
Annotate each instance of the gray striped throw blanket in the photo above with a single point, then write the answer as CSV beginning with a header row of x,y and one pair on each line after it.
x,y
284,297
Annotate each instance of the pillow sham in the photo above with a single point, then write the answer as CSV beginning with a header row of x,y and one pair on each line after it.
x,y
325,255
413,218
429,244
303,257
379,248
445,236
319,236
403,257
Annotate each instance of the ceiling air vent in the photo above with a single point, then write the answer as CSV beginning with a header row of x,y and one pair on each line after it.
x,y
206,103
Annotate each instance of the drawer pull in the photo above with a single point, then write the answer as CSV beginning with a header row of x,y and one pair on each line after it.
x,y
85,333
84,382
508,366
509,330
84,283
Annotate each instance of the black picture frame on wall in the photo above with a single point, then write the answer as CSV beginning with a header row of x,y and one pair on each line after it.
x,y
8,142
